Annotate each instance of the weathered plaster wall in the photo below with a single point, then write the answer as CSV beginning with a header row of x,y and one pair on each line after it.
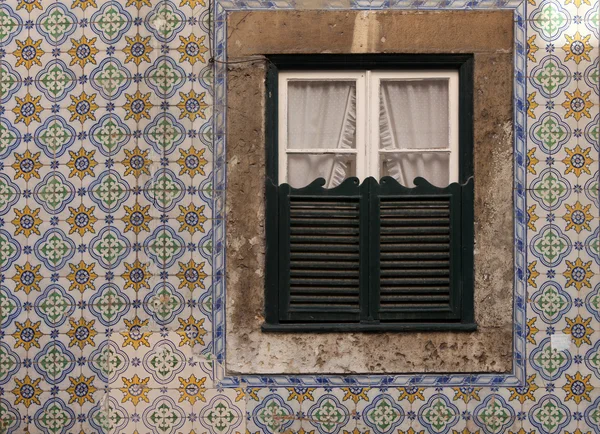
x,y
489,36
270,32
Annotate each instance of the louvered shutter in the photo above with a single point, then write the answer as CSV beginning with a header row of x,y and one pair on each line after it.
x,y
418,256
373,256
321,252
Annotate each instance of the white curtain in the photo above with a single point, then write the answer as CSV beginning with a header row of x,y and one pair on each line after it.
x,y
321,115
414,115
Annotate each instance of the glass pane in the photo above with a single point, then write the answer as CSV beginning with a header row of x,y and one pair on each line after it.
x,y
434,167
414,114
305,168
321,114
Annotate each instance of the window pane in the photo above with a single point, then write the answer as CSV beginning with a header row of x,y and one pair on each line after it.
x,y
414,114
305,168
321,114
434,167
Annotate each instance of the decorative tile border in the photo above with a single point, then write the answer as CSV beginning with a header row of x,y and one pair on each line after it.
x,y
517,376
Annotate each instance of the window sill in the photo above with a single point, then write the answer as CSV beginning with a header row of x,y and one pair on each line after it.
x,y
369,328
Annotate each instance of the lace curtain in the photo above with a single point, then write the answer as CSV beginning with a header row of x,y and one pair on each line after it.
x,y
414,115
321,115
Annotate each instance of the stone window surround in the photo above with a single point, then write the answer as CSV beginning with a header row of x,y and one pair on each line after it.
x,y
489,36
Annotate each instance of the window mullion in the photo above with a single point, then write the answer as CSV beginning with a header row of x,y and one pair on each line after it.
x,y
361,93
373,122
367,126
365,154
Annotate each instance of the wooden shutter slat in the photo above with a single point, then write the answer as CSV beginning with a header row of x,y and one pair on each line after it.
x,y
415,213
387,272
418,238
349,300
422,307
413,264
417,290
330,256
334,271
325,290
321,282
333,223
321,238
424,230
340,230
390,246
332,248
415,255
340,264
411,299
315,211
399,281
418,223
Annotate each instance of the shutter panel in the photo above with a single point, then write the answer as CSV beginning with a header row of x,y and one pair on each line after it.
x,y
375,256
415,252
320,251
418,250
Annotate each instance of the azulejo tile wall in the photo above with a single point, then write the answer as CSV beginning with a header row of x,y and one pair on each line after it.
x,y
111,234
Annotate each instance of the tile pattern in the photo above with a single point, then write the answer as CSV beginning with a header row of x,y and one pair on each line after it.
x,y
112,177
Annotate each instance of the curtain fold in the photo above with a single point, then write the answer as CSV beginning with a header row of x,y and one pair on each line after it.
x,y
321,115
414,115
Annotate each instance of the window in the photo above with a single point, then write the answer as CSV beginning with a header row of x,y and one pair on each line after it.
x,y
369,193
336,125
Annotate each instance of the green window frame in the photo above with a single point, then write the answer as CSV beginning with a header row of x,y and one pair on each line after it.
x,y
371,255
